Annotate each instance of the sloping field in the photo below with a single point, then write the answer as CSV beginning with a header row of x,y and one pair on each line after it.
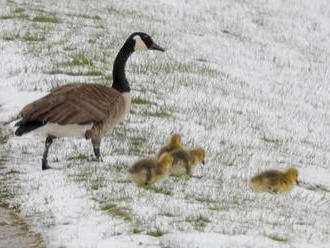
x,y
247,80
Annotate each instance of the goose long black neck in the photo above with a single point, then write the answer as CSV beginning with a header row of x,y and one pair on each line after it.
x,y
120,82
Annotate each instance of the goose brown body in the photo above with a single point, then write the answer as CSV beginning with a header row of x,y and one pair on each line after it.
x,y
80,104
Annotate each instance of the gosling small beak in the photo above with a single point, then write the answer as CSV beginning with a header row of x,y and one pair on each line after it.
x,y
154,46
203,162
297,182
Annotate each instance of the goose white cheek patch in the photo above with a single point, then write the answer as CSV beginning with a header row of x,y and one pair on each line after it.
x,y
139,44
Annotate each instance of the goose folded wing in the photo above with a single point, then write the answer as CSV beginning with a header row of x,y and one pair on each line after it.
x,y
74,104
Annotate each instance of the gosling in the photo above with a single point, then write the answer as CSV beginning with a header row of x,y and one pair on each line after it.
x,y
185,161
174,144
148,171
274,181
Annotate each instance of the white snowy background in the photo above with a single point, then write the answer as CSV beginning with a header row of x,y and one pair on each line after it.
x,y
247,80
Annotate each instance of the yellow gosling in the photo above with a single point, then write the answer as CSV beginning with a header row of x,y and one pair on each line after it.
x,y
174,144
185,161
274,181
148,171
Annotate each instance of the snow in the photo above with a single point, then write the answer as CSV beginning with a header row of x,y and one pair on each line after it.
x,y
12,101
246,80
74,216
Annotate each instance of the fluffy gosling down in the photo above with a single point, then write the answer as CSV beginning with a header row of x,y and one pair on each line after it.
x,y
174,144
185,161
148,171
274,181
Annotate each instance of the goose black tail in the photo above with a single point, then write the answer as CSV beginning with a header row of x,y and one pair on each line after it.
x,y
25,127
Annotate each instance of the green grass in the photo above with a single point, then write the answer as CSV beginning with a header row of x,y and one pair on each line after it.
x,y
49,19
71,67
80,156
72,73
119,12
26,37
12,171
107,79
157,233
199,221
15,16
201,199
138,100
136,230
136,145
82,176
168,214
175,67
18,13
19,10
97,183
269,140
117,211
94,182
277,238
94,17
33,38
160,190
3,138
80,59
160,113
5,193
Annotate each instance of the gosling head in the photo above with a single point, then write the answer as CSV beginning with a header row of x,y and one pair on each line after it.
x,y
198,154
142,42
166,161
176,140
292,175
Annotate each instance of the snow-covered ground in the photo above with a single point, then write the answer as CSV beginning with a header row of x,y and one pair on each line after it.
x,y
247,80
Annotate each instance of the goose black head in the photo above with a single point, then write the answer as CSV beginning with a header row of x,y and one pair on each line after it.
x,y
143,42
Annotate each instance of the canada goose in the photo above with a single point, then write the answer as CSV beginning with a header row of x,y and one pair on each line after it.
x,y
185,161
174,144
275,181
84,110
149,170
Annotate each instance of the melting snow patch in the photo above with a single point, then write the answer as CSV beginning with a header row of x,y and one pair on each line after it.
x,y
12,101
66,215
201,240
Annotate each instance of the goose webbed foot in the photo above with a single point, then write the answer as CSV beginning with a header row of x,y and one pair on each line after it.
x,y
45,165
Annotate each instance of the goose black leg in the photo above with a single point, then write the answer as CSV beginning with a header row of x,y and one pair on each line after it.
x,y
97,153
49,141
96,147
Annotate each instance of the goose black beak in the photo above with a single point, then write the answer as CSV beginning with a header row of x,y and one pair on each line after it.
x,y
154,46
